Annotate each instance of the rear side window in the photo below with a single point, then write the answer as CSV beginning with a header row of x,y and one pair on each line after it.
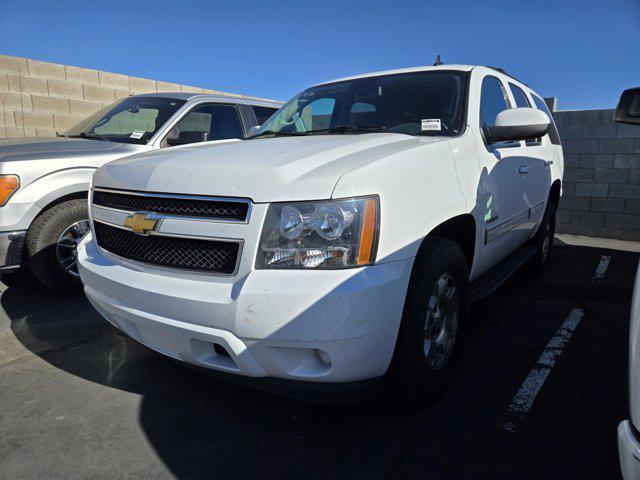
x,y
522,101
519,96
263,113
493,100
553,131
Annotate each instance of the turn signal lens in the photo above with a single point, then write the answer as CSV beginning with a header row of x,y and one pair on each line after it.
x,y
8,185
368,233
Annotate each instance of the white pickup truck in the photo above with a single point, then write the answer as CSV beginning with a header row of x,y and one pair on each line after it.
x,y
44,181
342,244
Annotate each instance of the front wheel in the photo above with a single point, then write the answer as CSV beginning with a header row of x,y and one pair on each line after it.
x,y
428,344
51,245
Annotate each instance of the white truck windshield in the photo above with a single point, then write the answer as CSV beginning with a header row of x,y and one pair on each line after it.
x,y
420,103
132,120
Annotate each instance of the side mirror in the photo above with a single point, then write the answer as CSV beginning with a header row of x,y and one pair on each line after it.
x,y
254,130
628,109
517,124
185,138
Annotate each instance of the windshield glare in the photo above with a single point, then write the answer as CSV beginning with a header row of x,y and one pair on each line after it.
x,y
132,120
421,103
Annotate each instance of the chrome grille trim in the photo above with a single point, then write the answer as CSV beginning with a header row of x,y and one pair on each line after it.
x,y
199,198
239,242
113,220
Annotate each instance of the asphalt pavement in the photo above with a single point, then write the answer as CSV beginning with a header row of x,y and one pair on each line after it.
x,y
80,400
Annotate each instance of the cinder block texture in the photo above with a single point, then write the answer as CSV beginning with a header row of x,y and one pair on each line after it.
x,y
39,98
601,193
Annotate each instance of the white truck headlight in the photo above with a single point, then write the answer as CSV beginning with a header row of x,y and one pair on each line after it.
x,y
320,235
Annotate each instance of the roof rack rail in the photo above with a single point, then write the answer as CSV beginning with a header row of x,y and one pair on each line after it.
x,y
504,72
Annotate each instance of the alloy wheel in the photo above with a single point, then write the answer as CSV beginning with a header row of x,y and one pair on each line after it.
x,y
441,323
66,246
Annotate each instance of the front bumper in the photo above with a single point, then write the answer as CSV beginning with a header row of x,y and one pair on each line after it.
x,y
629,451
11,248
266,323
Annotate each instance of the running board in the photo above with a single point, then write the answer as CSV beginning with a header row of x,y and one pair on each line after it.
x,y
500,273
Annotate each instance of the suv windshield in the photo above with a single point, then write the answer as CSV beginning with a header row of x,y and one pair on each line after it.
x,y
420,103
132,120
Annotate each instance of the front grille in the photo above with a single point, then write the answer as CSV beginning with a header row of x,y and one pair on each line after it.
x,y
186,207
185,253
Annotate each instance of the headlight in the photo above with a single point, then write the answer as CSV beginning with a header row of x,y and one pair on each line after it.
x,y
321,235
8,186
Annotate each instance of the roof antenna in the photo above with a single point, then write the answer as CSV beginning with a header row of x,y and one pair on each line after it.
x,y
438,61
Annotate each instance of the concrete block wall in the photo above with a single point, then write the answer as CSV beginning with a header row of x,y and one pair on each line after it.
x,y
39,98
601,194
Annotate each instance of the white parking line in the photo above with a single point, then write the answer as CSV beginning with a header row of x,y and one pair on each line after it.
x,y
523,400
601,269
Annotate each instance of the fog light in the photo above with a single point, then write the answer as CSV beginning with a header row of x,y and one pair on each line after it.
x,y
324,357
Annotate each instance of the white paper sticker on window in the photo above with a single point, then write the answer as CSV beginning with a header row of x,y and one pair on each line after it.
x,y
431,124
137,134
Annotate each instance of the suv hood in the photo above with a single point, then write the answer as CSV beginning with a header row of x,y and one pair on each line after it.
x,y
42,148
264,170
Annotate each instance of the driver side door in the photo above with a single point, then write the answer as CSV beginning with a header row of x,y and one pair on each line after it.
x,y
503,201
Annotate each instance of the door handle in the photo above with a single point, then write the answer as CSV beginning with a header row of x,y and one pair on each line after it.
x,y
524,169
548,163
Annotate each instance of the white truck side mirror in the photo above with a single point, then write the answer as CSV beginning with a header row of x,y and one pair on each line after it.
x,y
517,124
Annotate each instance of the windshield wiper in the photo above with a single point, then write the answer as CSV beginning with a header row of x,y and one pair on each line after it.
x,y
351,129
338,129
279,134
90,136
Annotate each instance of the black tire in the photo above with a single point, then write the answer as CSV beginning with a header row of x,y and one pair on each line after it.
x,y
412,377
41,245
543,242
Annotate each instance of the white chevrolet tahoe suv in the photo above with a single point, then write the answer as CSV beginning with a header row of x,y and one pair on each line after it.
x,y
44,181
342,244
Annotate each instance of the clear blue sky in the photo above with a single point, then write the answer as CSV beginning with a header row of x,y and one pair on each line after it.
x,y
583,52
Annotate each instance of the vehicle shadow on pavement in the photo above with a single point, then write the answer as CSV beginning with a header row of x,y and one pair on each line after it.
x,y
200,426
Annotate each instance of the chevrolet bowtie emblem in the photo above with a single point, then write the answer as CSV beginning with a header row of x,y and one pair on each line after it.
x,y
140,223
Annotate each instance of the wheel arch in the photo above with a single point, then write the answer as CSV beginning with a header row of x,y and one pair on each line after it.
x,y
78,195
52,189
554,193
462,230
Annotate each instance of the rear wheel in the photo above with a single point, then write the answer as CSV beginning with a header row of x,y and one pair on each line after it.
x,y
543,241
51,245
428,344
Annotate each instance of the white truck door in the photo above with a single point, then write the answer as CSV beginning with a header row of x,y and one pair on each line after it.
x,y
503,184
538,158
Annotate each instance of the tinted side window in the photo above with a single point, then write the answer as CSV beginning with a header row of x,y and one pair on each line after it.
x,y
553,131
364,114
263,113
522,101
317,114
205,123
492,101
520,96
